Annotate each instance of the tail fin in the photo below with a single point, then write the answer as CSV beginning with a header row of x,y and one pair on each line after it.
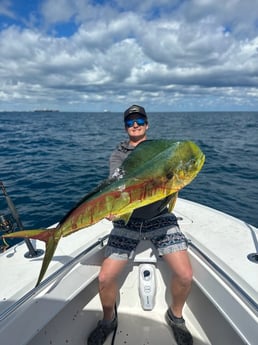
x,y
49,236
51,245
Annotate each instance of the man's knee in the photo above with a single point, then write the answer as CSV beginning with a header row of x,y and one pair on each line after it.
x,y
104,277
185,276
110,270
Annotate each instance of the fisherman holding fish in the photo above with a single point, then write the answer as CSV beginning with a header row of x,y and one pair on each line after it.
x,y
153,222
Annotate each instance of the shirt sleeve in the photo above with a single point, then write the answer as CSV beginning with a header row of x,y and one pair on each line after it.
x,y
115,161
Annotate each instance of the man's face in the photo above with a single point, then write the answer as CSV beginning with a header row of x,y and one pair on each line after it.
x,y
136,126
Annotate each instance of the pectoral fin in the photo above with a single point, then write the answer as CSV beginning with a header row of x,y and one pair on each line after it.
x,y
126,217
172,202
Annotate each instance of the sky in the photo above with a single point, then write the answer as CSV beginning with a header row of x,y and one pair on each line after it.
x,y
166,55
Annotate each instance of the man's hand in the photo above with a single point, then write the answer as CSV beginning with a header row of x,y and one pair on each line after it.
x,y
111,217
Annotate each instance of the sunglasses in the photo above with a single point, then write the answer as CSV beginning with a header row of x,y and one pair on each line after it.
x,y
130,123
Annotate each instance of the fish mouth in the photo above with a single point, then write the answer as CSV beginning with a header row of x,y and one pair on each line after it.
x,y
194,166
198,163
201,160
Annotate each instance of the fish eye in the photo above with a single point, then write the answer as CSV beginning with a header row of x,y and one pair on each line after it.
x,y
169,175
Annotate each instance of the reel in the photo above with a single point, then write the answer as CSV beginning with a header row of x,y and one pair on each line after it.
x,y
7,224
11,223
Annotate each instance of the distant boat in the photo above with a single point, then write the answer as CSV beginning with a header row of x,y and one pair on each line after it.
x,y
106,111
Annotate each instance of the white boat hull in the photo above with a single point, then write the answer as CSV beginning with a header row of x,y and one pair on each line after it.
x,y
221,309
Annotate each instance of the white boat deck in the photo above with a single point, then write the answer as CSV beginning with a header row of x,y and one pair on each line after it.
x,y
221,309
19,274
227,241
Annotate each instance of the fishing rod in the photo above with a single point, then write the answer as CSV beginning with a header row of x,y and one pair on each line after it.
x,y
6,224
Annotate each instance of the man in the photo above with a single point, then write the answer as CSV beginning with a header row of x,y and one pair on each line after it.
x,y
168,239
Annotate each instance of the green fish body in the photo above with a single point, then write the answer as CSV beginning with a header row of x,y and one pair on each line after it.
x,y
153,171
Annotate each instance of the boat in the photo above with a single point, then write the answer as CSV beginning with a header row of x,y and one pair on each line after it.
x,y
64,308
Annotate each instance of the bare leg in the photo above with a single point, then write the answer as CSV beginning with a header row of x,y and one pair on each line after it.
x,y
108,287
181,281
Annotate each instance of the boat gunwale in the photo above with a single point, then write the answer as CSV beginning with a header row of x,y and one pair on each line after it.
x,y
240,292
51,278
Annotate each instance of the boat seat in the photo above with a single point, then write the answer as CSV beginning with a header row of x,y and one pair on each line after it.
x,y
145,252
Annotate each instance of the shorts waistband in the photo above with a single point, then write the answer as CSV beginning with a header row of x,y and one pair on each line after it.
x,y
146,225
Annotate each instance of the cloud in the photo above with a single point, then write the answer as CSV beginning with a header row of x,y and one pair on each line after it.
x,y
175,56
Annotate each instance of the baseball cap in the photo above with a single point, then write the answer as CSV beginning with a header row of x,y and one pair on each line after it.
x,y
135,109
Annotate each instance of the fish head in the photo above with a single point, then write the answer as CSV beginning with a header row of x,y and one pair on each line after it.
x,y
163,164
184,161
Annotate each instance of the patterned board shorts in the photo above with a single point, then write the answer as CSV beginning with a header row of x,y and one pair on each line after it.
x,y
163,231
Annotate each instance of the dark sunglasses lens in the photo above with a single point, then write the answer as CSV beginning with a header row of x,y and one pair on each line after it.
x,y
140,122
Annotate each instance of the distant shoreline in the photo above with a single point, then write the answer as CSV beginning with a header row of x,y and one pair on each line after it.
x,y
45,111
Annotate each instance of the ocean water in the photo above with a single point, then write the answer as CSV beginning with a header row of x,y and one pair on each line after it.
x,y
50,160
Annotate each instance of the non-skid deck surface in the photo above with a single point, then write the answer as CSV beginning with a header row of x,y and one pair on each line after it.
x,y
135,326
142,329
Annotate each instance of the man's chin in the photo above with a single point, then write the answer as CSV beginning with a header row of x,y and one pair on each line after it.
x,y
138,137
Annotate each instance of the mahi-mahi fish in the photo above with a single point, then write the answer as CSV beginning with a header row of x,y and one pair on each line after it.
x,y
154,170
